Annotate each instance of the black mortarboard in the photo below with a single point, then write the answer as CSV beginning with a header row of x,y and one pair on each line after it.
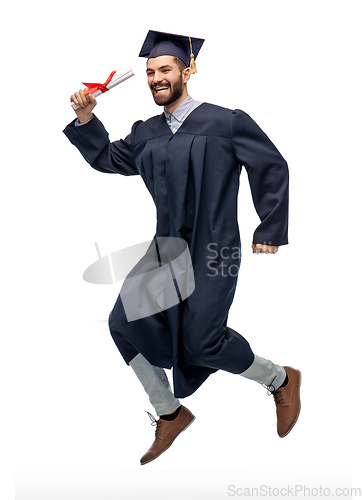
x,y
167,44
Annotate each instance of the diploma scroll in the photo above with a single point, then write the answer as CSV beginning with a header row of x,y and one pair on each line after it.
x,y
116,79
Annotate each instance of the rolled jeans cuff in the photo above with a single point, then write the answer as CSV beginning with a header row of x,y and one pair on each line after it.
x,y
265,372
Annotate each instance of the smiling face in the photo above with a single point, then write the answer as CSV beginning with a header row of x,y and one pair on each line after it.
x,y
167,83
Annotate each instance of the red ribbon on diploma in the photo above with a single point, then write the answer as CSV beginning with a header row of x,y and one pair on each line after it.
x,y
92,87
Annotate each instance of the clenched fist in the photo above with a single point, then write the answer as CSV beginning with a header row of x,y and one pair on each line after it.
x,y
86,104
258,248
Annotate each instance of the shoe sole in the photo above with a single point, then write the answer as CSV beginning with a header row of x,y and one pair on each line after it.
x,y
182,430
300,406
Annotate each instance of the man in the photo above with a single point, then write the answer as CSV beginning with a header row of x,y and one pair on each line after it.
x,y
190,158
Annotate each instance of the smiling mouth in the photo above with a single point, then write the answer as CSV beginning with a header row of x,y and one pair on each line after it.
x,y
159,90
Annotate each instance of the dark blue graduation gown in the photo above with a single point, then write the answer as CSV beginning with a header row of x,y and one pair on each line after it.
x,y
193,178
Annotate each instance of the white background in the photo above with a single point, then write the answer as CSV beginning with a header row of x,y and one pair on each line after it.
x,y
74,418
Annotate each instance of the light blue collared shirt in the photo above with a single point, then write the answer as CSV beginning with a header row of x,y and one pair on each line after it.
x,y
176,119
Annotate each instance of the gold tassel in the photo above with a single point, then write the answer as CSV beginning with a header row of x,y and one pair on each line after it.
x,y
192,61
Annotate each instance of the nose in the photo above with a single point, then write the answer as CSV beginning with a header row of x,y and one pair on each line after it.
x,y
157,77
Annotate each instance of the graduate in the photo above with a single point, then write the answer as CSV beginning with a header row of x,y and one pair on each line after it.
x,y
190,158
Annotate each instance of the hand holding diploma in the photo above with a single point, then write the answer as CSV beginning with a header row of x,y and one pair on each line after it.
x,y
84,105
84,101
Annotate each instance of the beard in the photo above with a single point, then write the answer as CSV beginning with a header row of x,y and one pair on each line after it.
x,y
175,92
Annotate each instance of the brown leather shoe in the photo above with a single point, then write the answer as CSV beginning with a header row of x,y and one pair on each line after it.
x,y
166,433
287,400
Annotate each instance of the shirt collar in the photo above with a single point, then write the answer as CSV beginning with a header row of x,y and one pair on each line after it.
x,y
181,110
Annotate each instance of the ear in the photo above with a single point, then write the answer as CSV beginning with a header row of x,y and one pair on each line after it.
x,y
186,75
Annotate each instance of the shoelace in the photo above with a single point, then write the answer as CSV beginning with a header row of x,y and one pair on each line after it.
x,y
278,397
155,422
277,394
270,388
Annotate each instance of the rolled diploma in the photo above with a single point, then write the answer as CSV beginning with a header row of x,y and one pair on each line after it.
x,y
115,81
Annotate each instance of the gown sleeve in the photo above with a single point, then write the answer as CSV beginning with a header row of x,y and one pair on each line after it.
x,y
268,178
92,141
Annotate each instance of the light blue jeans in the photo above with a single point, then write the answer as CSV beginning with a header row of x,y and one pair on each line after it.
x,y
157,386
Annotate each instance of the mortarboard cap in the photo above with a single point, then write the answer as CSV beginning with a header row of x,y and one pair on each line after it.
x,y
185,48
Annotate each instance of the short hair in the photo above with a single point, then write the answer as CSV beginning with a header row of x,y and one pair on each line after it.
x,y
180,64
